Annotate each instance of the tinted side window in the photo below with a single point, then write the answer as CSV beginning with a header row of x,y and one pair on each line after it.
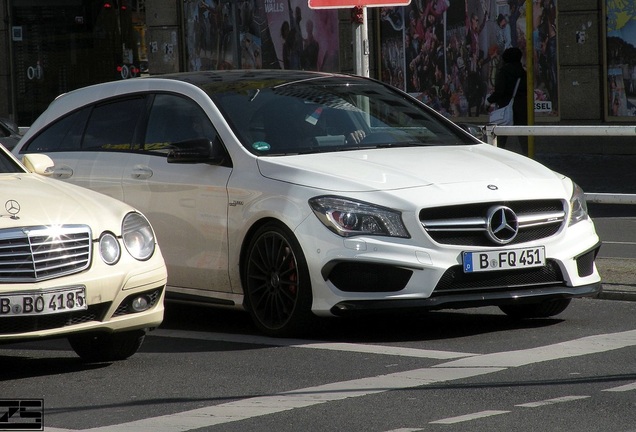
x,y
112,125
63,135
173,119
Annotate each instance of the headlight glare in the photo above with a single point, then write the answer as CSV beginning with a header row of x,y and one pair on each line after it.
x,y
347,217
578,205
138,236
109,248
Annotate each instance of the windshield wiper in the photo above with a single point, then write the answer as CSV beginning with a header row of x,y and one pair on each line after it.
x,y
402,144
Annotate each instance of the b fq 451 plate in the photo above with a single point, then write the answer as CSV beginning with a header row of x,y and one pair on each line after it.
x,y
508,259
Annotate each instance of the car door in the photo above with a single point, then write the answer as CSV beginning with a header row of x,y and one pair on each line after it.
x,y
90,146
186,203
109,136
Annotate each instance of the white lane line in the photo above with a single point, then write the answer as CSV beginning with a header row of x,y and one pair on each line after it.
x,y
623,388
488,413
469,417
312,344
264,405
551,401
578,347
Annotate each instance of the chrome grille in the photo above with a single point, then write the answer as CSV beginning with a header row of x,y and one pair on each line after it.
x,y
37,253
465,225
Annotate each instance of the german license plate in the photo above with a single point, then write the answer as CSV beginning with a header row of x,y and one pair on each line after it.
x,y
60,300
508,259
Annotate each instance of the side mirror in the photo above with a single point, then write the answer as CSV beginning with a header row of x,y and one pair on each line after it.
x,y
38,163
199,150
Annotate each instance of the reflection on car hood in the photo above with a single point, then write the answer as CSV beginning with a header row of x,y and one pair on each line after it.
x,y
40,201
400,168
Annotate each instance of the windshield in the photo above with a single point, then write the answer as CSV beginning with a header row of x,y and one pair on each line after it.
x,y
324,115
8,164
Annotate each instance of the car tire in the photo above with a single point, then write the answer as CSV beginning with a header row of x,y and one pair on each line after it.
x,y
276,280
544,309
106,347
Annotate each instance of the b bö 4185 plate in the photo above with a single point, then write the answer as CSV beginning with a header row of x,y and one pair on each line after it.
x,y
61,300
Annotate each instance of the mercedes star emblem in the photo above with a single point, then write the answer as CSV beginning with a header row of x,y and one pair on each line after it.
x,y
502,224
12,207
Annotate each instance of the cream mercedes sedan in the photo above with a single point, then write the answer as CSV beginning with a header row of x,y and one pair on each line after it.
x,y
74,264
298,194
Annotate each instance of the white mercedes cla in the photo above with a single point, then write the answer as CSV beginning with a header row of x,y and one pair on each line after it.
x,y
300,194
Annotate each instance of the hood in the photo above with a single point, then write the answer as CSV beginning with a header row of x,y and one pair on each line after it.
x,y
402,168
41,201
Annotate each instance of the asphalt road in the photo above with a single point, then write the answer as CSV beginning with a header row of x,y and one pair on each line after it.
x,y
473,370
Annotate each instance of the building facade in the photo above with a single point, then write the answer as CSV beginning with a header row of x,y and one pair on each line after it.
x,y
442,51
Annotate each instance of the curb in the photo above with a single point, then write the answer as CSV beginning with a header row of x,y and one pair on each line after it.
x,y
614,294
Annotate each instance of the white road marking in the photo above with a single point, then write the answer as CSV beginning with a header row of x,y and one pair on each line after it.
x,y
458,369
623,388
574,348
312,344
469,417
264,405
552,401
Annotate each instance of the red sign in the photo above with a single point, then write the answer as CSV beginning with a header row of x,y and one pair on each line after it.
x,y
334,4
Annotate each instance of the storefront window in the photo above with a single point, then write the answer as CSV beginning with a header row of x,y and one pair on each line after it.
x,y
447,52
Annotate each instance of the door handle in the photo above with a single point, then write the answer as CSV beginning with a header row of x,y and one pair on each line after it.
x,y
140,172
62,172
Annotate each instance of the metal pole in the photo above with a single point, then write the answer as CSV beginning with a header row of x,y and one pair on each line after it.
x,y
236,49
12,80
361,46
530,72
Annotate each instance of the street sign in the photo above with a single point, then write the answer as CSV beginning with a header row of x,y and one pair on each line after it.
x,y
334,4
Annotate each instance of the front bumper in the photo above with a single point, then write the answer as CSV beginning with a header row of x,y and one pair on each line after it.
x,y
109,293
362,274
507,297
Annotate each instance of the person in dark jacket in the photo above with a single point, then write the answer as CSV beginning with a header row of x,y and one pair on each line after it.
x,y
505,82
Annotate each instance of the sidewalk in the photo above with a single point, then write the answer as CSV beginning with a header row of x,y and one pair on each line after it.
x,y
618,277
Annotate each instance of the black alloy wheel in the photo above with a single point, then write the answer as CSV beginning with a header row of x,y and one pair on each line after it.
x,y
276,281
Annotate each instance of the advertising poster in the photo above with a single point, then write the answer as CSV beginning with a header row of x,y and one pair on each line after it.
x,y
273,34
621,60
451,51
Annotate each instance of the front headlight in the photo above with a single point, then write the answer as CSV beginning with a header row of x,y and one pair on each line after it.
x,y
578,205
138,236
348,217
109,248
